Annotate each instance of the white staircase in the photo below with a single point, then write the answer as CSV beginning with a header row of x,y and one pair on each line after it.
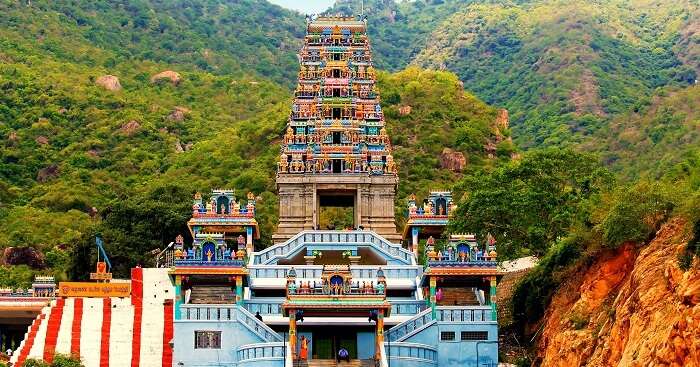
x,y
256,326
410,327
324,238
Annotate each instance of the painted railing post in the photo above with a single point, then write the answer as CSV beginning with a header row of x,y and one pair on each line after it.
x,y
433,301
249,240
239,290
178,295
493,298
379,339
293,333
414,240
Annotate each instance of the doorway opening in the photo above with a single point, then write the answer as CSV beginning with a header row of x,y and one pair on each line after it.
x,y
336,209
328,341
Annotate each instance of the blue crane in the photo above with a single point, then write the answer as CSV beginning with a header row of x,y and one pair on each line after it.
x,y
101,250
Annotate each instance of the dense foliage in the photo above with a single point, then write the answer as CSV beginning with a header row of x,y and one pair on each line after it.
x,y
223,37
563,69
653,139
79,161
530,203
563,207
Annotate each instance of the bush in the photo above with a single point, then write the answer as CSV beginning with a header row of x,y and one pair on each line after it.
x,y
59,360
533,293
637,213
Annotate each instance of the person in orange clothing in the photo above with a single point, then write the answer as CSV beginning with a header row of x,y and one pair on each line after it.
x,y
304,352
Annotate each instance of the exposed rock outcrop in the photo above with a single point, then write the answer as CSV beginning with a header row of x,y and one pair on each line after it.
x,y
631,308
130,128
23,256
179,114
405,110
586,98
502,119
47,173
109,82
453,160
167,75
41,140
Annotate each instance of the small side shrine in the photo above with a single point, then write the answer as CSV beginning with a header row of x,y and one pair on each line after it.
x,y
462,273
212,269
220,219
44,286
428,220
336,295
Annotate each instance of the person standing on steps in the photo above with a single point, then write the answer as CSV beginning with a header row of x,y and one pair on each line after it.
x,y
304,350
258,316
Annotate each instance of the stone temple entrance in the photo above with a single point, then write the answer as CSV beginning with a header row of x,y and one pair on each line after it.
x,y
303,196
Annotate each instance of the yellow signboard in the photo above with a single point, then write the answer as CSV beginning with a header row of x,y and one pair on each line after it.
x,y
98,290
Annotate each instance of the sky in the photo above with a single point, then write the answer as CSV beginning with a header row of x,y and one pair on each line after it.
x,y
305,6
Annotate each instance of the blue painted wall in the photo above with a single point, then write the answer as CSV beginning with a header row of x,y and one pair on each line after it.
x,y
365,345
233,335
457,353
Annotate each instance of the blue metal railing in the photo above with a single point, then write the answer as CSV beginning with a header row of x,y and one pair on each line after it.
x,y
419,354
272,352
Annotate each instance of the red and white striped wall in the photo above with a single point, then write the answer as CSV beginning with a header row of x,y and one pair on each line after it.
x,y
108,332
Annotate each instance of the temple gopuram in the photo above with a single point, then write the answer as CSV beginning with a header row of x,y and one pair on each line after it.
x,y
336,150
358,294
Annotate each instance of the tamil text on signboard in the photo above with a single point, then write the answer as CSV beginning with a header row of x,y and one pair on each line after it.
x,y
85,289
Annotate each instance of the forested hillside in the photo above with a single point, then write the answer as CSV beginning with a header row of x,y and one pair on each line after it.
x,y
564,69
98,140
654,139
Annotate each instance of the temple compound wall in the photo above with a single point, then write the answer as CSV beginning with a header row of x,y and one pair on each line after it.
x,y
112,331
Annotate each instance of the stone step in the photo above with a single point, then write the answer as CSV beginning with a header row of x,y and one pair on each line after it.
x,y
334,363
212,295
458,297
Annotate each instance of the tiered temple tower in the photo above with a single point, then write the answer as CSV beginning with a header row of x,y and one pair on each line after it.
x,y
336,151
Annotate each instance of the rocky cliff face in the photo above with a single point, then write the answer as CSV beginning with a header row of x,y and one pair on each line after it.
x,y
632,307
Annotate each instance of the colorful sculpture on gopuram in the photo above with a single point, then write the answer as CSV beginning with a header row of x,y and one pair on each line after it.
x,y
336,151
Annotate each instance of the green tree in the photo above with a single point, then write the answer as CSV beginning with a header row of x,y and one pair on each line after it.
x,y
134,227
530,203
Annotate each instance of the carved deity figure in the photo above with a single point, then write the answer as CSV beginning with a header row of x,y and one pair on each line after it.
x,y
283,163
390,165
209,255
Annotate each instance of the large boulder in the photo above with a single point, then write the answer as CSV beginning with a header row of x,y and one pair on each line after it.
x,y
109,82
23,256
41,140
167,75
405,110
130,128
47,173
453,160
178,114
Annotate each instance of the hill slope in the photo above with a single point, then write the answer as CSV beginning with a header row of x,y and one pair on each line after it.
x,y
223,37
654,139
80,159
563,68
